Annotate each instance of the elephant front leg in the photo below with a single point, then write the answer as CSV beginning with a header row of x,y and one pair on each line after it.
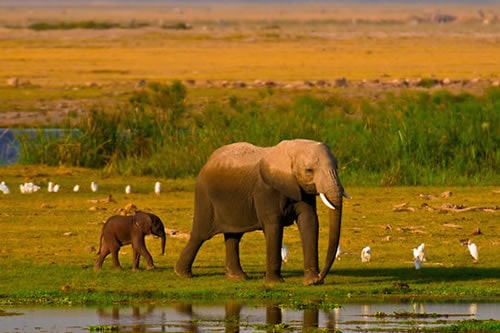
x,y
186,259
141,250
274,239
233,266
307,222
136,257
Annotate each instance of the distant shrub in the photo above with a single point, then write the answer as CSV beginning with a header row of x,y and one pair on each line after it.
x,y
427,83
178,26
40,26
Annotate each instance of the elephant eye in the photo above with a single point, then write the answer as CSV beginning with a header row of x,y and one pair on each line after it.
x,y
309,171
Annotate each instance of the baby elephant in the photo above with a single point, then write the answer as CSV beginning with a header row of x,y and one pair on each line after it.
x,y
123,230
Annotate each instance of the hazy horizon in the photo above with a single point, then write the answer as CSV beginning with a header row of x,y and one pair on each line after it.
x,y
167,2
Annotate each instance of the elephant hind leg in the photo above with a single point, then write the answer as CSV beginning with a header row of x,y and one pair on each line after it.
x,y
233,266
103,253
186,259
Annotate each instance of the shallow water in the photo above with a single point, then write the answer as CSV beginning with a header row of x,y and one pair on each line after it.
x,y
234,317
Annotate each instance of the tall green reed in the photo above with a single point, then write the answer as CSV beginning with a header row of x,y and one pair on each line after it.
x,y
414,138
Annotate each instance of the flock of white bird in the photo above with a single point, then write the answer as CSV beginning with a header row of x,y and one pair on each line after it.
x,y
418,254
30,187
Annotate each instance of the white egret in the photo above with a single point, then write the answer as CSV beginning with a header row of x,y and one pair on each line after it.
x,y
56,188
94,187
76,188
128,189
4,188
366,254
417,262
473,251
284,253
50,187
157,187
419,252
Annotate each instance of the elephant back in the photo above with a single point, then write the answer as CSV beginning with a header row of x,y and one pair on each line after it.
x,y
237,155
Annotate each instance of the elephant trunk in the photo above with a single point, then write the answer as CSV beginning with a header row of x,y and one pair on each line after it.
x,y
333,200
335,217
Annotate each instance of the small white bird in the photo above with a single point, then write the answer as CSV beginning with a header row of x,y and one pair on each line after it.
x,y
56,188
284,253
157,187
128,189
4,188
366,254
418,263
419,252
473,251
94,187
50,187
76,188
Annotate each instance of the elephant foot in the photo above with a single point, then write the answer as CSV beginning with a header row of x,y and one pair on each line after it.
x,y
313,279
236,276
184,273
150,268
273,279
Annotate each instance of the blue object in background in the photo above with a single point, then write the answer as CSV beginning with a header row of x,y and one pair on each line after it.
x,y
9,147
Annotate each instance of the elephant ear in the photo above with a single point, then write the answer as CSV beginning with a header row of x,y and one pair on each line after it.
x,y
277,171
144,222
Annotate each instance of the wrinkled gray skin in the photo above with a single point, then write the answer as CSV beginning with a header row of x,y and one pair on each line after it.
x,y
123,230
244,188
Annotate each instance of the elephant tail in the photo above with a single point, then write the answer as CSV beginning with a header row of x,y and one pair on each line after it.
x,y
100,245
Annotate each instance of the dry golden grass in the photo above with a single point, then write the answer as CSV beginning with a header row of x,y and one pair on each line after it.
x,y
357,58
249,43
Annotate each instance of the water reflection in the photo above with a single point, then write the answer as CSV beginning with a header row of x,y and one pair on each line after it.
x,y
237,317
473,309
233,314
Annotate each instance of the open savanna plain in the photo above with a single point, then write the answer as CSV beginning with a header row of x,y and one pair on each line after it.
x,y
49,242
235,53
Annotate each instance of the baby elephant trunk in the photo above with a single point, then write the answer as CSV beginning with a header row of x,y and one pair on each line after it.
x,y
163,241
158,229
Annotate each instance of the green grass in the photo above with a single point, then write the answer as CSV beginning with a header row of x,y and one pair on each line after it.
x,y
414,138
42,264
466,326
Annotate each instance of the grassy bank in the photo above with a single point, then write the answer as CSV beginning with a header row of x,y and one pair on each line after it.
x,y
47,253
412,138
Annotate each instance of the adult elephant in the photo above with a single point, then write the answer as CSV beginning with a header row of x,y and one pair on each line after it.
x,y
123,230
243,188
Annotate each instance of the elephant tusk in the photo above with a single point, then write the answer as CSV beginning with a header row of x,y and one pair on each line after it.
x,y
326,202
346,195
